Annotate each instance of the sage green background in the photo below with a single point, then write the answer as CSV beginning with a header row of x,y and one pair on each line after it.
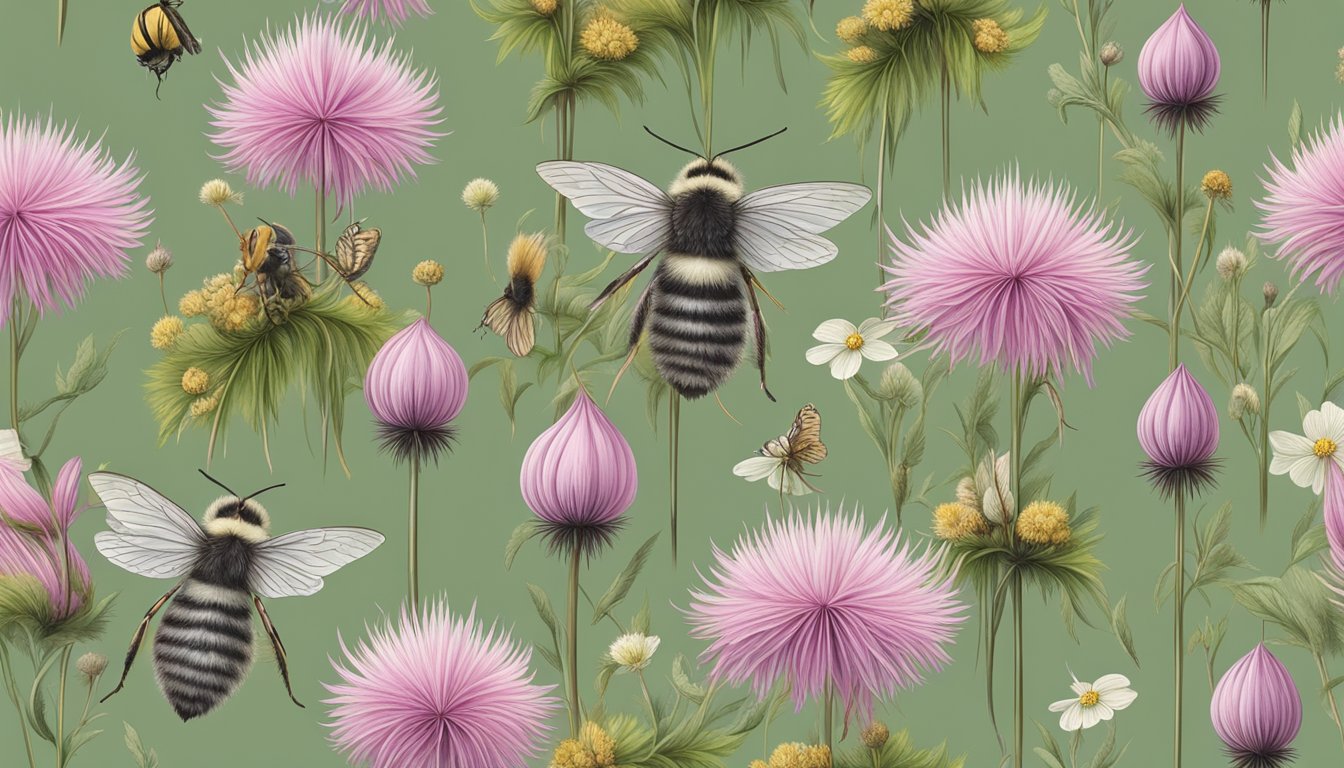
x,y
471,502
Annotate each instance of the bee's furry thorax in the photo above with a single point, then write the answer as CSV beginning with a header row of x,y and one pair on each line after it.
x,y
232,516
718,175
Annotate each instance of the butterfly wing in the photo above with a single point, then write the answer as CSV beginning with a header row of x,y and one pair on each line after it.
x,y
293,565
629,214
150,535
513,321
805,437
355,249
780,228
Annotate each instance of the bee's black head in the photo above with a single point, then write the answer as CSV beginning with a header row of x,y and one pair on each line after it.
x,y
241,516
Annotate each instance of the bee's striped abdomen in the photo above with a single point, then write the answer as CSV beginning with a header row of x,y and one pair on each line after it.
x,y
203,647
697,321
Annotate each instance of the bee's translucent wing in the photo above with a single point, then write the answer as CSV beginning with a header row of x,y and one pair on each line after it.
x,y
779,228
629,214
150,535
293,565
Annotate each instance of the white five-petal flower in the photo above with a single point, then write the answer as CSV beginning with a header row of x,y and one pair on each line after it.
x,y
1305,458
845,346
1095,702
633,651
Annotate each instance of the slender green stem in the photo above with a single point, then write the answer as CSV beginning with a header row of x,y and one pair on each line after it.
x,y
88,702
1264,48
1267,401
946,113
828,717
707,81
1178,232
485,248
877,757
1178,635
1101,137
882,149
648,702
60,706
321,220
1187,281
573,668
1019,650
413,537
1334,706
163,295
429,302
674,437
15,354
11,686
1075,744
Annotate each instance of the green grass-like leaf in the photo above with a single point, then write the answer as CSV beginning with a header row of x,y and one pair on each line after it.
x,y
320,350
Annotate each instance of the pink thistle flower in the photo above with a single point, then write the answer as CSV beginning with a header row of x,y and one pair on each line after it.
x,y
1017,275
68,213
318,104
415,386
579,477
396,11
438,691
1303,208
1178,70
32,533
1178,429
819,598
1257,710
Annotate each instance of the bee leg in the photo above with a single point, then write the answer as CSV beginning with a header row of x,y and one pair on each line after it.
x,y
625,277
138,638
281,658
636,334
758,324
725,410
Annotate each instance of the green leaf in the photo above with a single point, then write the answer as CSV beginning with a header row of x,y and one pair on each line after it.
x,y
1123,633
1050,760
682,682
624,581
520,536
143,758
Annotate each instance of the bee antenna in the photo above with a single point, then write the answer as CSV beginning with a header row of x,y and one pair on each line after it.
x,y
263,490
752,143
216,482
649,130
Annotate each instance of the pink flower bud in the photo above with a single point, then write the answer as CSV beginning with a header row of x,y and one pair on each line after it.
x,y
1178,70
1178,429
415,386
1257,710
579,477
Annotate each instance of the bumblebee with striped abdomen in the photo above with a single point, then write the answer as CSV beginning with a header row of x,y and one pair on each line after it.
x,y
268,252
203,647
159,37
713,237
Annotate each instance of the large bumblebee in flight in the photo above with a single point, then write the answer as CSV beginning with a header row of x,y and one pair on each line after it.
x,y
713,237
203,647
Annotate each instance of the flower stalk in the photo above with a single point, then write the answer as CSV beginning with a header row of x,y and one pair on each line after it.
x,y
413,536
1019,637
575,711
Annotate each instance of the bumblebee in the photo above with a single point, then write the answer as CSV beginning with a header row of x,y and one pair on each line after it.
x,y
268,253
159,37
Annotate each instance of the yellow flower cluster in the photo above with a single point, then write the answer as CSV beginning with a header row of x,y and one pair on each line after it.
x,y
427,273
608,39
875,736
954,521
795,755
862,54
165,332
202,406
1044,522
593,749
366,297
888,15
989,36
545,7
1217,185
195,381
851,29
220,301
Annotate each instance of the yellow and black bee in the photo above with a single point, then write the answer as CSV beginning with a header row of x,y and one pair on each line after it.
x,y
513,314
268,252
159,36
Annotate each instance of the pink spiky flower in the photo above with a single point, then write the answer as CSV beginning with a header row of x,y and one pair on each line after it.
x,y
1303,208
817,598
396,11
68,213
33,531
1017,274
438,691
319,104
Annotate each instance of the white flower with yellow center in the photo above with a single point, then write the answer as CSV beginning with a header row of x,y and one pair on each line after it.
x,y
1305,458
634,651
1094,702
845,346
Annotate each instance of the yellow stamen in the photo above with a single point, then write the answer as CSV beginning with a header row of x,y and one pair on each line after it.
x,y
855,341
1089,699
1324,447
